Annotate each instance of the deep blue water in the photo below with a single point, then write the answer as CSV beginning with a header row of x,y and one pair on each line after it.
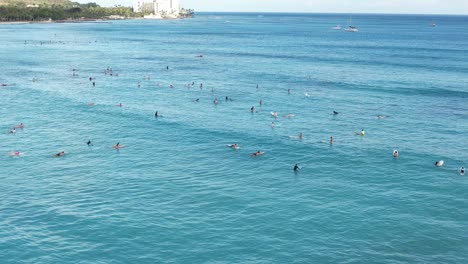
x,y
177,194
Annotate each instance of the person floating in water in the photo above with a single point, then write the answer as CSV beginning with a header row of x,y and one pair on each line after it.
x,y
462,171
362,133
258,153
89,143
118,146
396,154
234,146
296,168
62,153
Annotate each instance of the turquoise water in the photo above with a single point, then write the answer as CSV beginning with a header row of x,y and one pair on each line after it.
x,y
177,194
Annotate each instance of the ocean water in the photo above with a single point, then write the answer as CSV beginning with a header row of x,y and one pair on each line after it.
x,y
177,194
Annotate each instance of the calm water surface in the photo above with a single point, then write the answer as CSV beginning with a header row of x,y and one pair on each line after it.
x,y
177,194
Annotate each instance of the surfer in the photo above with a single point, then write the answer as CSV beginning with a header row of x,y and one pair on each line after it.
x,y
439,163
395,153
362,133
258,153
118,146
233,146
296,168
62,153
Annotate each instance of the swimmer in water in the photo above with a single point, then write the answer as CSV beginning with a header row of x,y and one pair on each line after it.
x,y
233,146
362,133
462,171
62,153
258,153
396,154
439,163
335,112
332,140
118,146
89,143
296,168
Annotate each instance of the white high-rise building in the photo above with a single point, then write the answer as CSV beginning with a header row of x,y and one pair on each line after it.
x,y
158,6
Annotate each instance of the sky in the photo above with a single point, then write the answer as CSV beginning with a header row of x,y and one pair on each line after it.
x,y
319,6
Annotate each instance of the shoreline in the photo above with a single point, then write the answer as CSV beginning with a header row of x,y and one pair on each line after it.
x,y
83,20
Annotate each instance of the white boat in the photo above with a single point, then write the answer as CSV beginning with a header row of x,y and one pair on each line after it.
x,y
352,29
337,27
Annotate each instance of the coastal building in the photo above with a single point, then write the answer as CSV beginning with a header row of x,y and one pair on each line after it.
x,y
157,7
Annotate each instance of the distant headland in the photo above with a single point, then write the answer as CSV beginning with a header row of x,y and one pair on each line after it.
x,y
17,11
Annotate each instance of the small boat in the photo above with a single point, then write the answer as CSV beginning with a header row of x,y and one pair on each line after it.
x,y
337,27
352,29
